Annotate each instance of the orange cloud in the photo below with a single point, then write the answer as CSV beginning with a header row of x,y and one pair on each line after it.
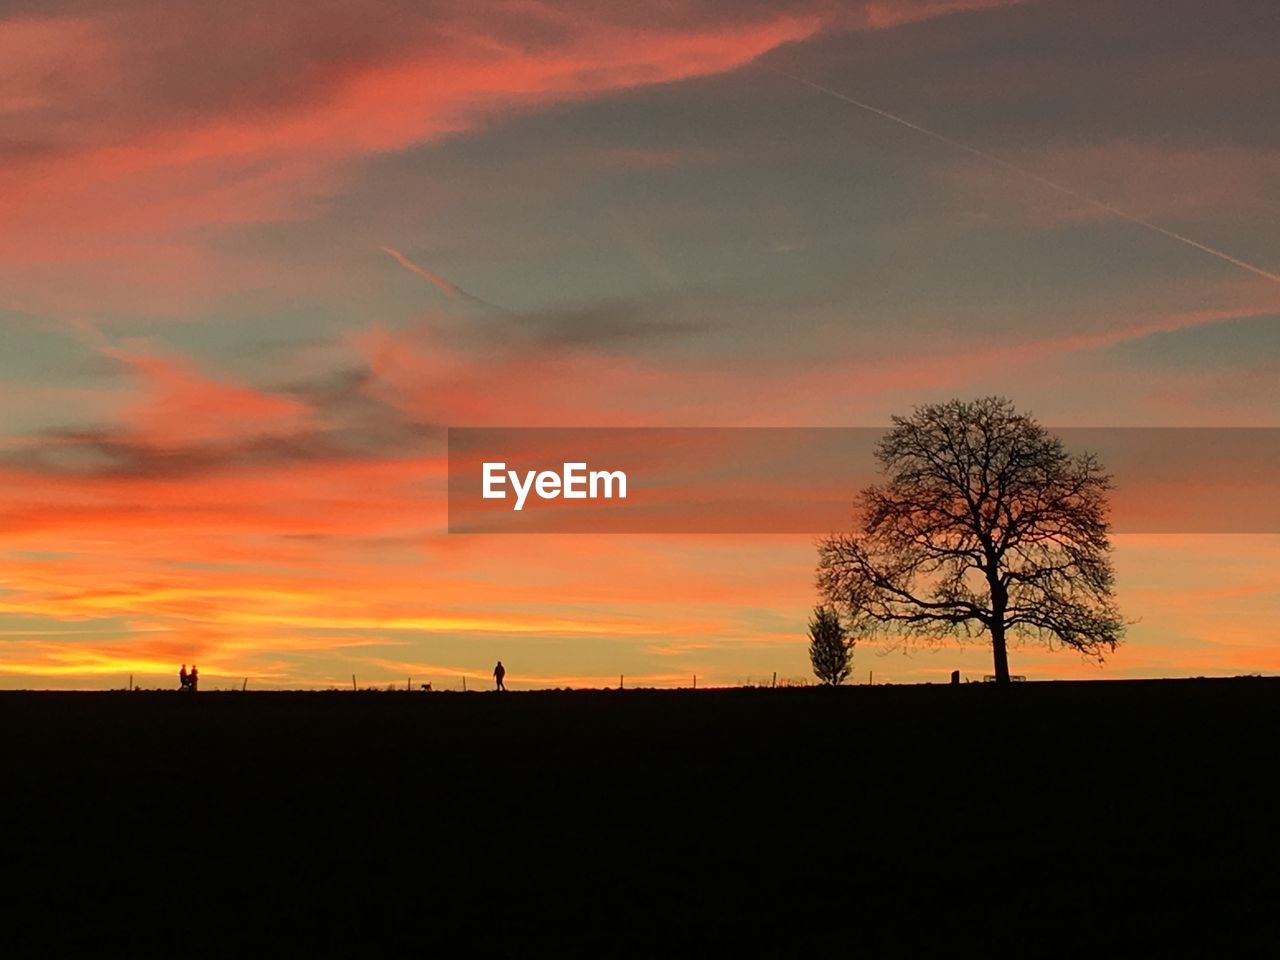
x,y
182,406
143,125
110,170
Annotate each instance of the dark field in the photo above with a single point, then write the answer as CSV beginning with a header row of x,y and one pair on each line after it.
x,y
1047,815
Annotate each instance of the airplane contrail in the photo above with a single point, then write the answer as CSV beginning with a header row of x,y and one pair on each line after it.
x,y
452,289
1044,181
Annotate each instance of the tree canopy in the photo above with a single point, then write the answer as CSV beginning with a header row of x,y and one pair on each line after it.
x,y
984,524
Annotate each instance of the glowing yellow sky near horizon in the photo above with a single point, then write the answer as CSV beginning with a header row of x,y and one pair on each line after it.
x,y
1205,602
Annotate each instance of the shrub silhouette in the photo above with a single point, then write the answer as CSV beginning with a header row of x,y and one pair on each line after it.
x,y
830,649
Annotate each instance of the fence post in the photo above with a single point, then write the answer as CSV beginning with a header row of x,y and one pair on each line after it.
x,y
464,683
353,682
775,678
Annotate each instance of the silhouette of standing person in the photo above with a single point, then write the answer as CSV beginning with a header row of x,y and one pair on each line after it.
x,y
498,673
182,677
193,678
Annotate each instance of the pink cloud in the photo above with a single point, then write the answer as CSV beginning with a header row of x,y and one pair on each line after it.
x,y
108,165
144,124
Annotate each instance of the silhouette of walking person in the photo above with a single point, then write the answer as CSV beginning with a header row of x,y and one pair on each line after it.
x,y
193,678
498,673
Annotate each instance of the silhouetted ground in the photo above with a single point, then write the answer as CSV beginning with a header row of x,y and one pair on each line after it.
x,y
1044,816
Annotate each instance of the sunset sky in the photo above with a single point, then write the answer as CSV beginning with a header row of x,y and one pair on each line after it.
x,y
256,258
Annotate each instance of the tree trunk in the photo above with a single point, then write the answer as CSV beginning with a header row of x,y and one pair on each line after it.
x,y
999,604
1000,652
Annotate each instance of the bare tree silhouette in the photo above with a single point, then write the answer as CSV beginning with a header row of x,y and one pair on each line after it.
x,y
830,648
983,524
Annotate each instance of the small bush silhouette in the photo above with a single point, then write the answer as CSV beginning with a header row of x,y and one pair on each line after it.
x,y
830,649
